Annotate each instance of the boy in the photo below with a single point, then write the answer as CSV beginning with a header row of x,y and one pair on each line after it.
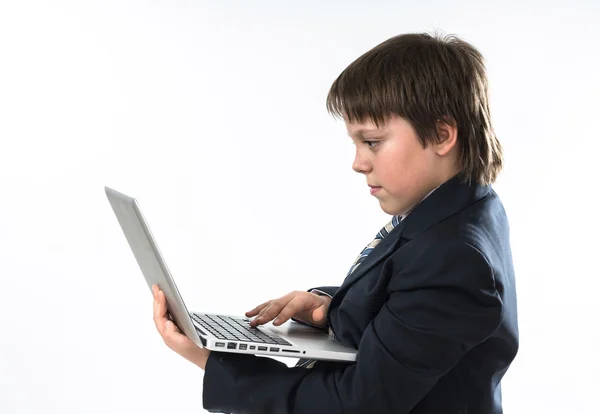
x,y
430,304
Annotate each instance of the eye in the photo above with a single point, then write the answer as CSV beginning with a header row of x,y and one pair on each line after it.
x,y
371,144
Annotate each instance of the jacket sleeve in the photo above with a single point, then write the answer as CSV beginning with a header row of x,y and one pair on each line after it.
x,y
440,305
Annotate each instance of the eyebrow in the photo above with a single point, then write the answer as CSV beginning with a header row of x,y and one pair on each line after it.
x,y
360,133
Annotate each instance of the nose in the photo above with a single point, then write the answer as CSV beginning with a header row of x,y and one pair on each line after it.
x,y
361,163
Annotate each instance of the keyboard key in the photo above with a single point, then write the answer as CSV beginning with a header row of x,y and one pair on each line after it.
x,y
228,328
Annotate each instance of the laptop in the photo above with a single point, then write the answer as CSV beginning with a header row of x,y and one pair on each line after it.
x,y
221,333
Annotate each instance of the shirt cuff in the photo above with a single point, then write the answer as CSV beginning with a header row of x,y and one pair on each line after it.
x,y
320,293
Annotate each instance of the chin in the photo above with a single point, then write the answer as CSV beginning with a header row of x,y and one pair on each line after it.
x,y
389,209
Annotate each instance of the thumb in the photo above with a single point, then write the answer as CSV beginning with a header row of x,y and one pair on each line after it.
x,y
318,314
170,326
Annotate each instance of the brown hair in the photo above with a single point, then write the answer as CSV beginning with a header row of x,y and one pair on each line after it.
x,y
425,79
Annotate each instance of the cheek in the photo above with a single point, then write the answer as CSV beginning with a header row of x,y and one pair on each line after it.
x,y
403,172
395,173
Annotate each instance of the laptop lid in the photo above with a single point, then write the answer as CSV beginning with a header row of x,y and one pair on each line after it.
x,y
150,259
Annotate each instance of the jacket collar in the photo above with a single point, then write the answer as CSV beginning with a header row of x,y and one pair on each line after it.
x,y
448,199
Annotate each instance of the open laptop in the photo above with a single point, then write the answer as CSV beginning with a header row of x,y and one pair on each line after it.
x,y
223,333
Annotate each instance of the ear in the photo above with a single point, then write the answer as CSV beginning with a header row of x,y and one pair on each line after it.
x,y
448,137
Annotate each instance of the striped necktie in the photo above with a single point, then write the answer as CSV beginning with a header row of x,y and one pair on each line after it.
x,y
371,246
309,363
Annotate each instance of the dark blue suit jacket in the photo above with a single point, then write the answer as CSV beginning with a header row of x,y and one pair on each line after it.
x,y
432,311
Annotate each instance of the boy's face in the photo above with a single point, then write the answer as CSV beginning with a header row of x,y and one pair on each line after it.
x,y
398,169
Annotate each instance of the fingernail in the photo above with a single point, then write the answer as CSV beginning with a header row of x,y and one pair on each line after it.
x,y
276,321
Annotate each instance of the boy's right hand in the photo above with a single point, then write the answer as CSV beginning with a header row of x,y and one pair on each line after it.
x,y
304,306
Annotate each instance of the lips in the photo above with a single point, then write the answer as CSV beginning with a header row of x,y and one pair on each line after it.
x,y
374,189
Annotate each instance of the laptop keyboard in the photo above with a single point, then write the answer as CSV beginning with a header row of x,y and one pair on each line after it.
x,y
235,329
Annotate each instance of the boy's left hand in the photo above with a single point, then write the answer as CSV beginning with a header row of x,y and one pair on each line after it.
x,y
171,334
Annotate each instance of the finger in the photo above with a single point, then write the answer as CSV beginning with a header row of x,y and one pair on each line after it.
x,y
270,312
156,316
293,307
256,310
172,336
267,308
259,319
162,300
177,341
160,312
260,315
171,328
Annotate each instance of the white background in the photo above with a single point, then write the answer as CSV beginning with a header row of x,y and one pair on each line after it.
x,y
212,114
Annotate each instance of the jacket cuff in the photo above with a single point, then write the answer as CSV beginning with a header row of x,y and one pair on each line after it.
x,y
216,373
230,381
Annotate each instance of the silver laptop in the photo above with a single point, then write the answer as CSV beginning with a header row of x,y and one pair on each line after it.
x,y
223,333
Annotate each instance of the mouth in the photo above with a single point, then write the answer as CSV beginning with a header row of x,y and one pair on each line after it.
x,y
374,189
